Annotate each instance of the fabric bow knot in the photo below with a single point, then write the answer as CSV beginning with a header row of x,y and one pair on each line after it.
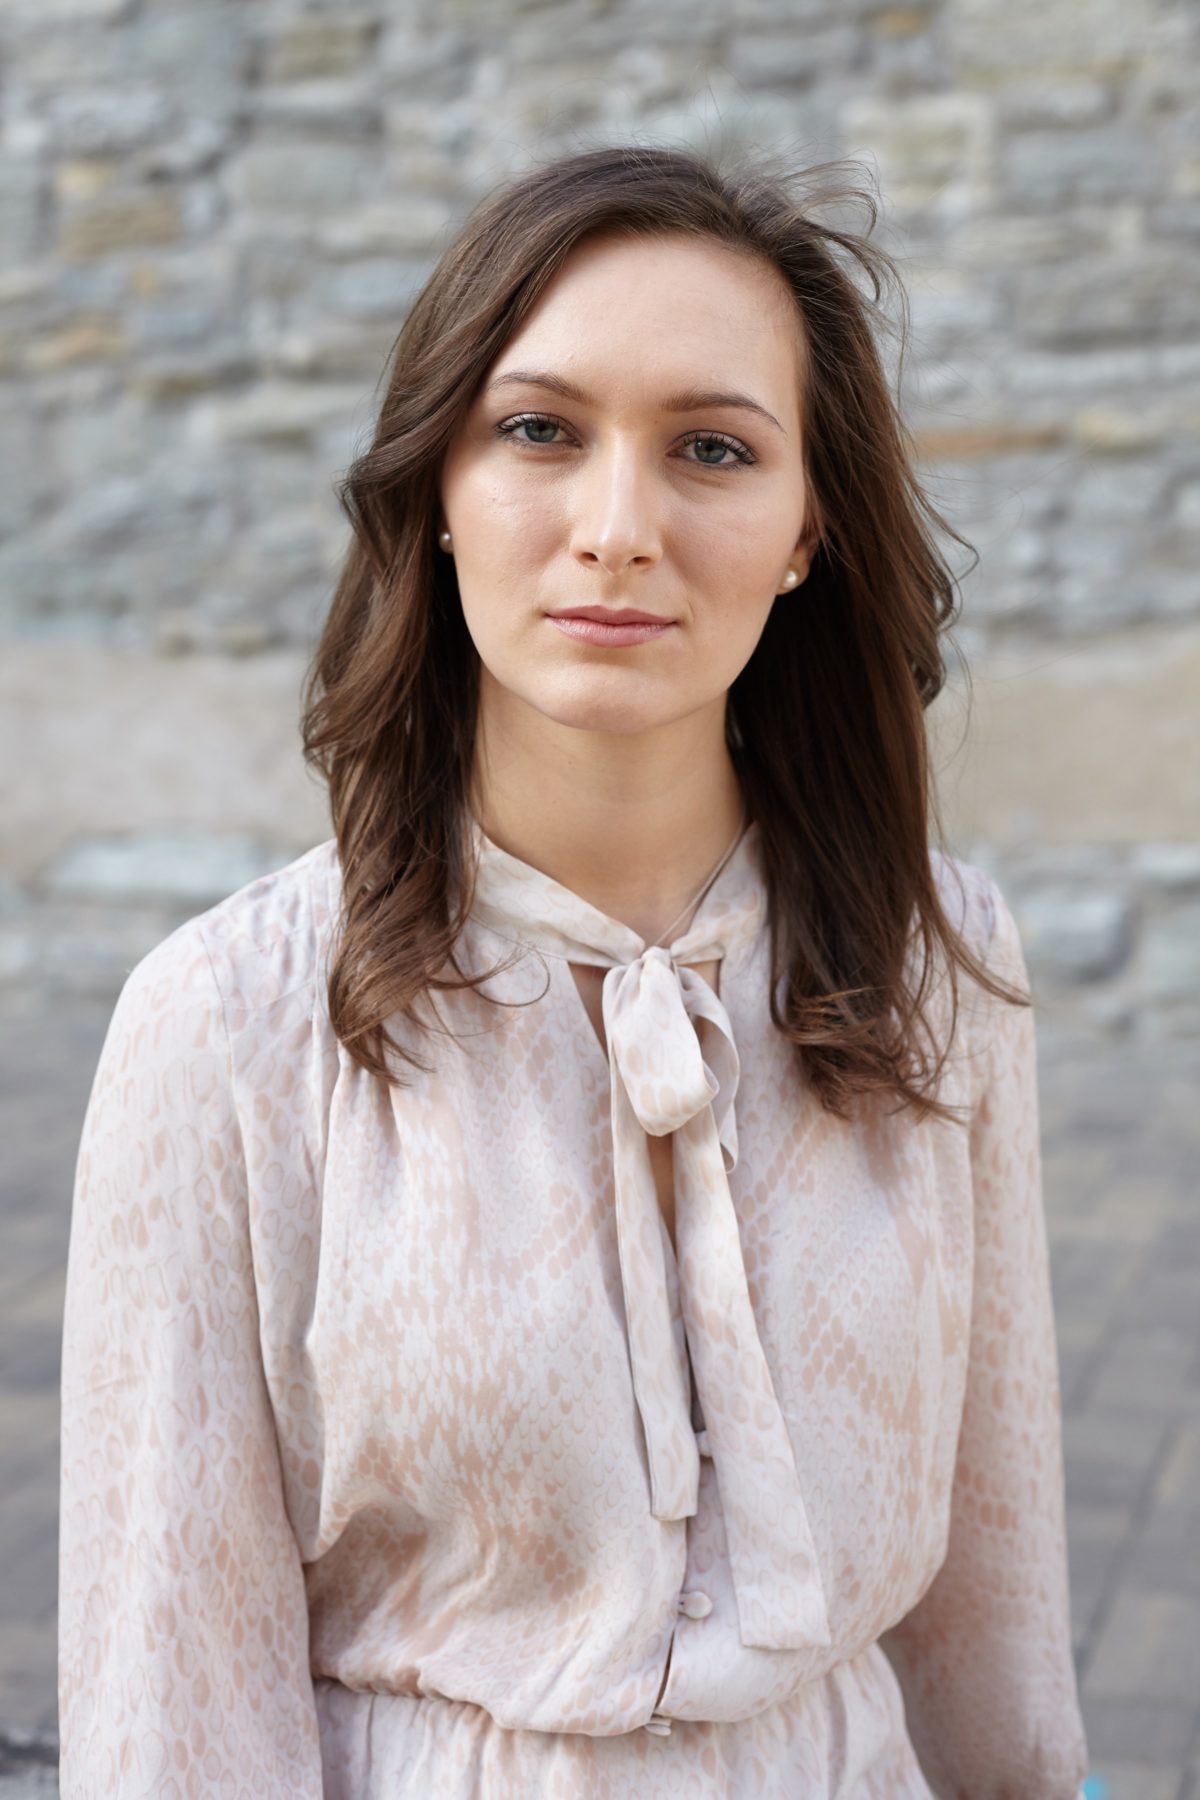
x,y
651,1020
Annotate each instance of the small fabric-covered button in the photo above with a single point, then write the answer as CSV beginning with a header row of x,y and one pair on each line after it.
x,y
702,1443
659,1726
695,1604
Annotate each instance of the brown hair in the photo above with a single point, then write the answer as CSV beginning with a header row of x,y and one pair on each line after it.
x,y
825,722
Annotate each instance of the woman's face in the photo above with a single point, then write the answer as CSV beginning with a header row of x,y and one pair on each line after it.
x,y
649,485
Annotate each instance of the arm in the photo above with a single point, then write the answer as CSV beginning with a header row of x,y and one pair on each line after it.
x,y
984,1659
182,1617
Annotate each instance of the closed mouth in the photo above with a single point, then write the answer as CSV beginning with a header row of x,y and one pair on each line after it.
x,y
609,616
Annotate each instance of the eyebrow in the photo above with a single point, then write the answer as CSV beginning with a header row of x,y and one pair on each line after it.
x,y
693,399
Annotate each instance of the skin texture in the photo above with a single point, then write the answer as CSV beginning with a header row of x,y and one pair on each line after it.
x,y
607,767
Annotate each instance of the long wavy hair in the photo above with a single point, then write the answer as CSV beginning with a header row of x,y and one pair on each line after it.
x,y
825,723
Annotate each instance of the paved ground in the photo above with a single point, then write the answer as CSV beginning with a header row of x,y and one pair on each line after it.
x,y
1121,1140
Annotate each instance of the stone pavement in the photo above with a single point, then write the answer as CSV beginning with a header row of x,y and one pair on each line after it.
x,y
1121,1144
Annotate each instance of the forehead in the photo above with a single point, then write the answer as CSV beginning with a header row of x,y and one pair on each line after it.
x,y
634,316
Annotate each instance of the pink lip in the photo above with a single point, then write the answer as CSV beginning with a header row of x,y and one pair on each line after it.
x,y
597,631
611,615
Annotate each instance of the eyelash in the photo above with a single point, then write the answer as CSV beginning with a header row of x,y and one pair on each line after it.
x,y
508,427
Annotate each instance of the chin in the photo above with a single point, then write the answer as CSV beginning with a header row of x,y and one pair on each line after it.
x,y
602,705
616,717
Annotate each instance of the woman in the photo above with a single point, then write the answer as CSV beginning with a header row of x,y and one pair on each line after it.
x,y
558,1298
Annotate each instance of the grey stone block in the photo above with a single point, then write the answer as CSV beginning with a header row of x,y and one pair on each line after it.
x,y
1074,934
1171,953
176,865
1110,300
31,1782
1107,162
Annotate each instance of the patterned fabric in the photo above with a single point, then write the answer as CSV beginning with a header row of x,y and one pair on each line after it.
x,y
675,1069
381,1469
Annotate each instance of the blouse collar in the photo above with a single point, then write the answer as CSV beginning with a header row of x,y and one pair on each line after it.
x,y
674,1067
522,903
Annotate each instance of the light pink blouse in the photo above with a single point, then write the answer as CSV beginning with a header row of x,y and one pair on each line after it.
x,y
402,1455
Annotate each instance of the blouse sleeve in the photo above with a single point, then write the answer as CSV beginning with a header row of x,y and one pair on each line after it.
x,y
984,1659
183,1625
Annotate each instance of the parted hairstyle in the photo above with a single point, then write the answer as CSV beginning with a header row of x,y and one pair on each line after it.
x,y
825,723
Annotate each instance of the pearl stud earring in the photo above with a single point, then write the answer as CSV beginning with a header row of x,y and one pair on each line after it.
x,y
790,579
444,539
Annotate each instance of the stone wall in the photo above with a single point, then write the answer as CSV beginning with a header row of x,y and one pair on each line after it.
x,y
212,217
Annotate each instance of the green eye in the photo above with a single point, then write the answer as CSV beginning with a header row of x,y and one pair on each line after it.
x,y
531,421
743,455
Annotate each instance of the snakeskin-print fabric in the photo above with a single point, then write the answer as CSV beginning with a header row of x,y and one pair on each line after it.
x,y
403,1455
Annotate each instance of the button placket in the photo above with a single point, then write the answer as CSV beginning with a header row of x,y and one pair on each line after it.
x,y
692,1603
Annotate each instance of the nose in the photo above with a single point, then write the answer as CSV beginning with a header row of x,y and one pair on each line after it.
x,y
615,525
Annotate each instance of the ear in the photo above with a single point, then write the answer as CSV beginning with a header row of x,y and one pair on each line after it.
x,y
807,544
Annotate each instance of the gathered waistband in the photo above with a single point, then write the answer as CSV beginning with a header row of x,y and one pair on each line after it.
x,y
840,1738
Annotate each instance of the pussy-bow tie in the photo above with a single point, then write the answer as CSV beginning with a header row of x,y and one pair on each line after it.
x,y
674,1068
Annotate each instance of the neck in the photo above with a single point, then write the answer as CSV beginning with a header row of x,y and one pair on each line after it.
x,y
634,823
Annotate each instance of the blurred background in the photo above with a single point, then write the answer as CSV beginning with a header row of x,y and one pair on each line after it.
x,y
212,217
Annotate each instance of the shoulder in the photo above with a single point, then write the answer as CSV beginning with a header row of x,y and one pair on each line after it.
x,y
979,912
223,1012
266,941
989,1024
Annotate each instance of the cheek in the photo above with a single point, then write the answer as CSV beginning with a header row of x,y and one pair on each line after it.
x,y
731,603
730,573
489,620
505,520
737,550
731,632
511,638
